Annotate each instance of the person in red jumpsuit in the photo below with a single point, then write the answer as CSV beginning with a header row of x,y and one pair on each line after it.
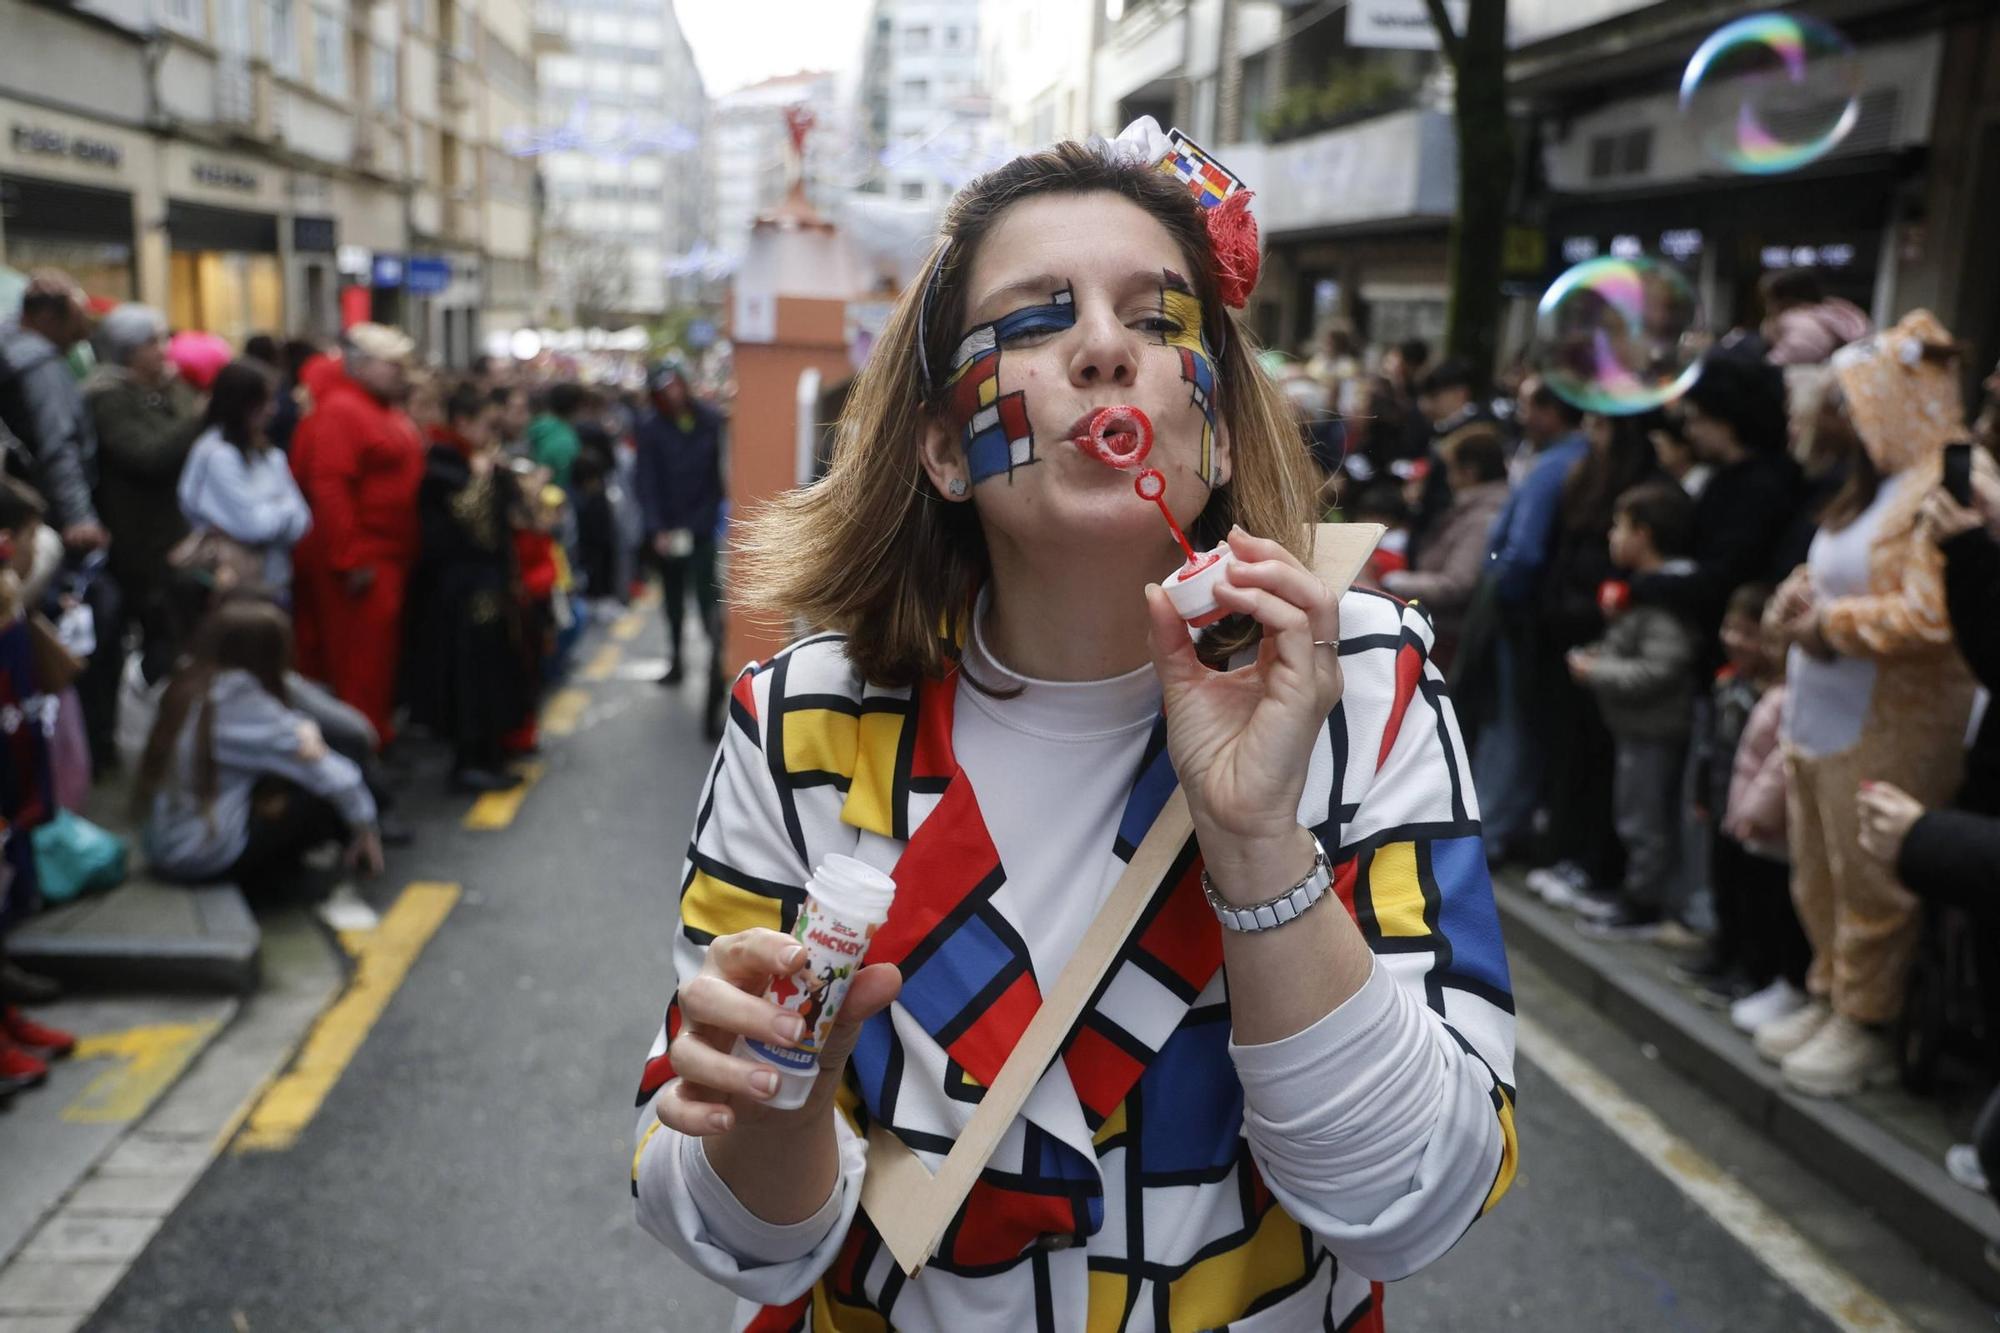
x,y
359,460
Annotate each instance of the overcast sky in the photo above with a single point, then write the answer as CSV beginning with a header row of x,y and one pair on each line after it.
x,y
737,42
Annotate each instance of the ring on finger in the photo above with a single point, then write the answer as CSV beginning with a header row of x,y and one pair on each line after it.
x,y
1327,643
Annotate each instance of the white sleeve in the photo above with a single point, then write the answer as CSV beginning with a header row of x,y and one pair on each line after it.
x,y
1387,1127
742,870
690,1210
1364,1125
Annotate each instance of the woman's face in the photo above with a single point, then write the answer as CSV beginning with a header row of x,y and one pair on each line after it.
x,y
1073,303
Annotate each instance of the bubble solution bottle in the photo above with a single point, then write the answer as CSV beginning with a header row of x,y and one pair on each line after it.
x,y
846,901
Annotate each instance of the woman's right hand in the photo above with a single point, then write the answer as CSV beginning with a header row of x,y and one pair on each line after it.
x,y
713,1088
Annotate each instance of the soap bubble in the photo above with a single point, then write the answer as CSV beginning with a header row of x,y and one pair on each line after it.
x,y
1771,92
1618,336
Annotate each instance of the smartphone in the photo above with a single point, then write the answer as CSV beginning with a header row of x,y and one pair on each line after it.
x,y
1958,471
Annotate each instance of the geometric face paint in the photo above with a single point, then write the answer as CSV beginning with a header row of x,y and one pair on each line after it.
x,y
997,436
1180,310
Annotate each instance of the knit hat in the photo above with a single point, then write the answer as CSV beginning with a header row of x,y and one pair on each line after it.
x,y
1902,391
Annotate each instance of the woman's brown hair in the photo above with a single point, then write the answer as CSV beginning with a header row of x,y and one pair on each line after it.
x,y
873,551
244,633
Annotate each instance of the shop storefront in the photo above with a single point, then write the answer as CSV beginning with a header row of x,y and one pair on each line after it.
x,y
1725,238
225,265
223,271
67,199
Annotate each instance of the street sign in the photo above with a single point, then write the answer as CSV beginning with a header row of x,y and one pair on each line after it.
x,y
428,275
1399,25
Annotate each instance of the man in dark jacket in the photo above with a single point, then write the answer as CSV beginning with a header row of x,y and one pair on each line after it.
x,y
679,480
41,405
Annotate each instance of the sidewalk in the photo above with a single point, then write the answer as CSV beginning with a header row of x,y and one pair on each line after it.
x,y
1885,1148
144,934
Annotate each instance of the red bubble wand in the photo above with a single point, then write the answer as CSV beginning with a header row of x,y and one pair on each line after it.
x,y
1121,437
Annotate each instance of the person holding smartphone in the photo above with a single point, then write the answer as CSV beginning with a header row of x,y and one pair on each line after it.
x,y
1878,693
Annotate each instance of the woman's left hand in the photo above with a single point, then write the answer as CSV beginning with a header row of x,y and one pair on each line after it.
x,y
1241,740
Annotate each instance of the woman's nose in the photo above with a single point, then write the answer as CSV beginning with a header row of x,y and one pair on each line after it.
x,y
1104,355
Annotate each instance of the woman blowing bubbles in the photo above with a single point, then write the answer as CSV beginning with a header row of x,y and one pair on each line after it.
x,y
1248,1128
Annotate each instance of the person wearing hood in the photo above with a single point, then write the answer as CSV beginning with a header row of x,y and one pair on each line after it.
x,y
40,403
146,420
359,460
1804,326
1878,694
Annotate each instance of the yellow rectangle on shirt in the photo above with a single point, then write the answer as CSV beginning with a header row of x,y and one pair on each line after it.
x,y
1395,891
1220,1288
721,908
820,740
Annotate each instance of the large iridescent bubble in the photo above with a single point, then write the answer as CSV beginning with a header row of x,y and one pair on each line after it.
x,y
1619,336
1771,92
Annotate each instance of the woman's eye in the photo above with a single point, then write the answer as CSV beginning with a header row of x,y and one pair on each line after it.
x,y
1159,324
1024,337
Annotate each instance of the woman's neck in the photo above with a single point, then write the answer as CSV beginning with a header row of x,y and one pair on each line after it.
x,y
1060,614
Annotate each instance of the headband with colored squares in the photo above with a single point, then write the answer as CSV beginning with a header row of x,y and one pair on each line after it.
x,y
1224,200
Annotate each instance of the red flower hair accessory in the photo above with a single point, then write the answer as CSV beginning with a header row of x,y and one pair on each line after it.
x,y
1224,200
1232,234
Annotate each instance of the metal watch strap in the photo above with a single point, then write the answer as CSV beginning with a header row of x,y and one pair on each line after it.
x,y
1274,912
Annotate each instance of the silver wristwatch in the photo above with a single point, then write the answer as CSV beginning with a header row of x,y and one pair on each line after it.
x,y
1274,912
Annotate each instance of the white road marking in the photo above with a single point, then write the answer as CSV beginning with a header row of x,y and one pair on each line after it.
x,y
1761,1231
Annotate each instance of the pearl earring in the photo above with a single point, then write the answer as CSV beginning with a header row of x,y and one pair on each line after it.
x,y
956,487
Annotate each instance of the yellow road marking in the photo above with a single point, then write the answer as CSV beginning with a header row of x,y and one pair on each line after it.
x,y
149,1060
603,664
626,628
496,809
563,711
385,958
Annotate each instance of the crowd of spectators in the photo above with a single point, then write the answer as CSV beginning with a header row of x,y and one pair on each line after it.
x,y
1723,667
247,585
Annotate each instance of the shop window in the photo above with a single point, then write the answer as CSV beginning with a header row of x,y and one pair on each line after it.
x,y
230,293
103,268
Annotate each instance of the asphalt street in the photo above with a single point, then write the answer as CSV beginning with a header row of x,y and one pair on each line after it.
x,y
469,1170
